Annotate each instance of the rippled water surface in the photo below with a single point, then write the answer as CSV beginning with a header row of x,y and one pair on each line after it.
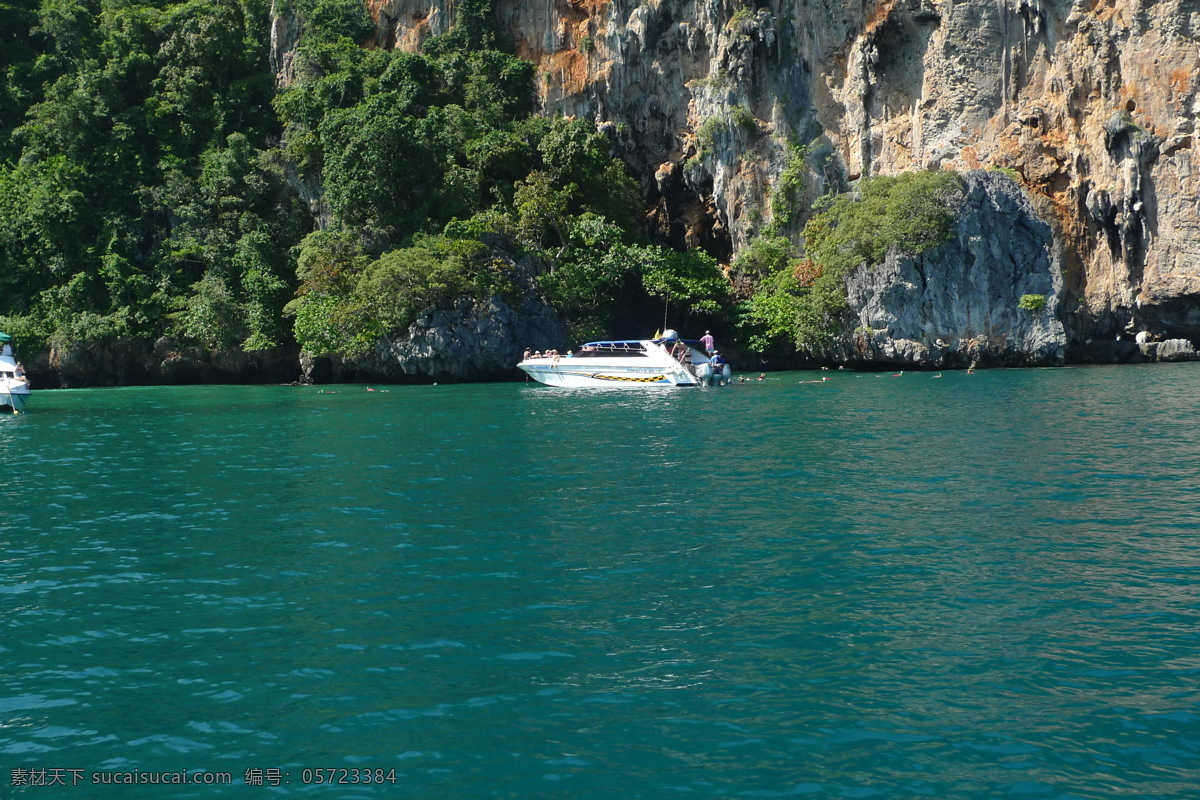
x,y
975,586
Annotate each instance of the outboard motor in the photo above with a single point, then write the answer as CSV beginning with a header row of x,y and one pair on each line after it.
x,y
719,371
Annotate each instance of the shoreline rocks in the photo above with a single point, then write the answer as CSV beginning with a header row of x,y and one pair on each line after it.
x,y
131,362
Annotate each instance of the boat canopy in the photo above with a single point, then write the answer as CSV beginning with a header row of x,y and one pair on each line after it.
x,y
615,343
4,337
628,342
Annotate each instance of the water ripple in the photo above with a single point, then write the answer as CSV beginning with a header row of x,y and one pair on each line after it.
x,y
983,586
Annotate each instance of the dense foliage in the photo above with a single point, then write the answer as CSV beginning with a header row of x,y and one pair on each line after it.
x,y
139,193
153,180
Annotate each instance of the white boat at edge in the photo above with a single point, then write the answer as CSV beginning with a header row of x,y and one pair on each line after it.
x,y
628,363
14,386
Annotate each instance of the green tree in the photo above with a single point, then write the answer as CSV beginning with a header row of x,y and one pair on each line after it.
x,y
691,280
1032,303
348,301
330,20
395,288
328,265
592,278
909,212
43,207
540,209
786,192
578,158
211,315
474,29
130,208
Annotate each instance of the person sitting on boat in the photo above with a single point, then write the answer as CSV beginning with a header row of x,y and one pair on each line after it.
x,y
717,362
679,351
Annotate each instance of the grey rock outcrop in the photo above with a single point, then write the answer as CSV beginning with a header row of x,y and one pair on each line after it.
x,y
1169,350
125,362
468,341
959,302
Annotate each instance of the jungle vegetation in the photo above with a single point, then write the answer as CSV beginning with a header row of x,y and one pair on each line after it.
x,y
155,181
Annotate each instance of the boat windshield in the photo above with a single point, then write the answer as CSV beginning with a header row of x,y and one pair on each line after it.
x,y
599,349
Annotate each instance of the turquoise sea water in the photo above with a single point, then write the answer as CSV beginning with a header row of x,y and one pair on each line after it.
x,y
975,586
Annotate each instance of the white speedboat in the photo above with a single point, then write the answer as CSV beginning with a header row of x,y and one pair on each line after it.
x,y
14,386
630,363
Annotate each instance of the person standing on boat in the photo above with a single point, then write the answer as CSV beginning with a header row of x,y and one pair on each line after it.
x,y
710,344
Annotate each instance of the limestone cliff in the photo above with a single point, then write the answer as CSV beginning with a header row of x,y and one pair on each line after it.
x,y
960,303
1092,105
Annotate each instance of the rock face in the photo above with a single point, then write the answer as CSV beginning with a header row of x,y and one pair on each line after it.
x,y
127,362
1093,105
959,303
467,342
1170,350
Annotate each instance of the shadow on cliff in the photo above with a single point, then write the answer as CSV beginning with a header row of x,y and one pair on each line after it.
x,y
133,362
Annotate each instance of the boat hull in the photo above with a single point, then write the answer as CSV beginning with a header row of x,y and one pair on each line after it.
x,y
596,376
13,402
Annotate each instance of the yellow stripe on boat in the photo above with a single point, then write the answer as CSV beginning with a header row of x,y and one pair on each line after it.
x,y
651,379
